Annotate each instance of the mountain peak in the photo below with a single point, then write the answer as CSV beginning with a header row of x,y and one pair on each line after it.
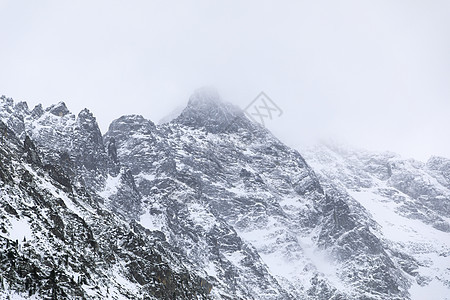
x,y
59,109
37,111
438,163
22,106
6,100
205,96
130,124
87,120
207,110
86,114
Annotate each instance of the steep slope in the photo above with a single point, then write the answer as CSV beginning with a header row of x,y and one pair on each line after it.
x,y
74,143
57,242
409,201
250,211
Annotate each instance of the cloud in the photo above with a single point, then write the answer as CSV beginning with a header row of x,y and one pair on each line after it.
x,y
372,73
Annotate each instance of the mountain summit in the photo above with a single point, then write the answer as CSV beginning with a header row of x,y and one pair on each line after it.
x,y
207,110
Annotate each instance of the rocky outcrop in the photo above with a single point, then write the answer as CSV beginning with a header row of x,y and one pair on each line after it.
x,y
57,243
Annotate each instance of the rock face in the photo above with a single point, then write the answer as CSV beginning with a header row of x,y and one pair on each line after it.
x,y
407,203
56,242
211,205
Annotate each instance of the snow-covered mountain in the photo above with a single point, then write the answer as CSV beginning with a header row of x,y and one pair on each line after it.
x,y
59,241
407,202
211,205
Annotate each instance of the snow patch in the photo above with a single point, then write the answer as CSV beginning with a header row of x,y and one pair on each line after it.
x,y
422,241
435,290
148,177
200,216
152,221
210,269
235,258
20,228
110,186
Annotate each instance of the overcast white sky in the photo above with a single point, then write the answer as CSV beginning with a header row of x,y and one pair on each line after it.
x,y
375,74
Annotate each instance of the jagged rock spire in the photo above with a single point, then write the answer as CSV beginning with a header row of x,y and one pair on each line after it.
x,y
59,109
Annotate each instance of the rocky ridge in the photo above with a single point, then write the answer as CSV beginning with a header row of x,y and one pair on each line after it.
x,y
232,203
